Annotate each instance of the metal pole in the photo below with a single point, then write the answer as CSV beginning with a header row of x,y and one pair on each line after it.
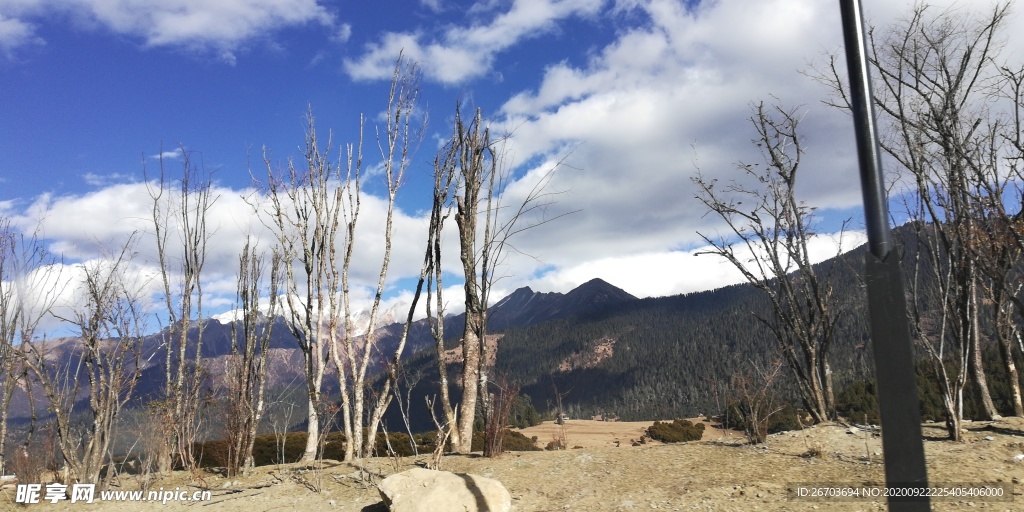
x,y
893,349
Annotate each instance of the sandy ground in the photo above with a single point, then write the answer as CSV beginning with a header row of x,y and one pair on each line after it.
x,y
718,473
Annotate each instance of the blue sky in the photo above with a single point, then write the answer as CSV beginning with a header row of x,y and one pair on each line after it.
x,y
628,94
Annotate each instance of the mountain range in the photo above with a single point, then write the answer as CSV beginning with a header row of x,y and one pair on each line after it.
x,y
600,348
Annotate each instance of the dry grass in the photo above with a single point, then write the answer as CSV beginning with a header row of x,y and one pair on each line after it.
x,y
718,474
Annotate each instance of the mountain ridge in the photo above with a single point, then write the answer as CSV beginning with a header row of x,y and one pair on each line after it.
x,y
522,308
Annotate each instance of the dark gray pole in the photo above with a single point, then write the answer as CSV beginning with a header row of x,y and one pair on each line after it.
x,y
887,305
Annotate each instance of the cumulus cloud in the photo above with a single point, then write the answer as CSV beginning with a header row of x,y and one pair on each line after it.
x,y
16,34
625,130
669,95
220,27
658,274
459,53
119,214
343,33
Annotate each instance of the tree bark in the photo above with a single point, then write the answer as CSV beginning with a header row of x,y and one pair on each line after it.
x,y
977,370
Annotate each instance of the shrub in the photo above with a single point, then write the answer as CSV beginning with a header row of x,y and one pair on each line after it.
x,y
784,420
858,402
511,442
517,442
679,431
781,420
266,450
555,445
401,445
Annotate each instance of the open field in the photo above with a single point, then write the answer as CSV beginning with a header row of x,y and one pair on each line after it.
x,y
600,434
718,473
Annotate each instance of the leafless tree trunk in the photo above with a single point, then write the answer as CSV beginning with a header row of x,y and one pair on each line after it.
x,y
107,352
1000,244
468,166
444,177
935,72
395,144
954,125
472,151
430,275
775,229
185,214
305,207
20,259
310,210
246,370
10,367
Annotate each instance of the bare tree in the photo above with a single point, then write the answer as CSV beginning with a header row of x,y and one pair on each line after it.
x,y
310,209
444,179
305,207
181,275
502,403
755,396
768,222
396,373
105,358
473,155
246,368
469,167
1003,236
395,144
25,299
952,115
10,316
936,74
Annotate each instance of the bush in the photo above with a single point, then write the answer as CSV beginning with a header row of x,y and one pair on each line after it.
x,y
858,402
679,431
555,444
511,442
401,445
784,420
266,449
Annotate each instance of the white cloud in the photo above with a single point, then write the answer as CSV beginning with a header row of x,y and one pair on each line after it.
x,y
172,154
633,122
88,227
343,33
221,27
657,274
672,88
433,5
460,53
15,34
668,94
102,180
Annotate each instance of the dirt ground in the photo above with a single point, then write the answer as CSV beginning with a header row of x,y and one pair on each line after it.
x,y
718,473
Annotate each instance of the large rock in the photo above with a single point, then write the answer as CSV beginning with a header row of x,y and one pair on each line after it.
x,y
425,490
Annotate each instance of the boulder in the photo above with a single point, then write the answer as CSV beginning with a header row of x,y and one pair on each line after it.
x,y
425,490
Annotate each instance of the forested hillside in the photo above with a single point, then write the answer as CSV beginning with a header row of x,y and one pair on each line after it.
x,y
648,358
670,355
676,356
